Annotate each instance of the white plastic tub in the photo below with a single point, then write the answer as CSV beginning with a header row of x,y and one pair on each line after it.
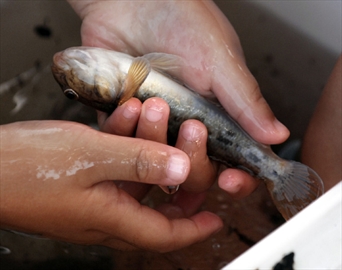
x,y
313,235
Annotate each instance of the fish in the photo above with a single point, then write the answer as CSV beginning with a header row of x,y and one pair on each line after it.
x,y
105,79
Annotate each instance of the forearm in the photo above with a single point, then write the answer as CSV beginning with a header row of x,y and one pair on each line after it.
x,y
322,148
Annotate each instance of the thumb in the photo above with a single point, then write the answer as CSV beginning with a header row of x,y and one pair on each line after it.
x,y
120,158
239,93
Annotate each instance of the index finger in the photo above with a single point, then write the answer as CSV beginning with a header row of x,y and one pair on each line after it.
x,y
111,157
153,231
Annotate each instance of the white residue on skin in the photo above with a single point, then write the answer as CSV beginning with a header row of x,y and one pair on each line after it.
x,y
79,165
48,173
108,161
143,163
29,133
128,161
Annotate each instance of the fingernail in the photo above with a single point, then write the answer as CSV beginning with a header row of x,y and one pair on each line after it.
x,y
130,112
154,113
177,169
230,181
170,189
191,133
280,127
231,186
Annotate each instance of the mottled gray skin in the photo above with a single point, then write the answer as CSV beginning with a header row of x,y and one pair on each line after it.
x,y
227,142
292,185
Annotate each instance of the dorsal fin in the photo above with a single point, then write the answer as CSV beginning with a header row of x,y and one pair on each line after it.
x,y
137,73
167,64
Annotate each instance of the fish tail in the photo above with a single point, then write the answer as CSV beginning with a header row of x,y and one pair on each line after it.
x,y
296,188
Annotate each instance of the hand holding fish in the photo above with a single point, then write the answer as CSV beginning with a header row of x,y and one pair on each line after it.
x,y
214,65
106,79
153,117
199,33
55,183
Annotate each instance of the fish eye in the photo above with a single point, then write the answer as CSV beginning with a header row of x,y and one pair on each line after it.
x,y
71,94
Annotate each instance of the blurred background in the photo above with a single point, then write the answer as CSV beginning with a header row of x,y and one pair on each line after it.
x,y
290,47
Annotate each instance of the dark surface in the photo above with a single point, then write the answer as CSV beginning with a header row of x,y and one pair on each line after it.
x,y
286,262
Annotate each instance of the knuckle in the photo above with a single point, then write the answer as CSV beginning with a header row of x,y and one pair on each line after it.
x,y
143,166
256,96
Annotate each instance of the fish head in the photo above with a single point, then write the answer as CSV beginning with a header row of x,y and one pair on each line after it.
x,y
87,76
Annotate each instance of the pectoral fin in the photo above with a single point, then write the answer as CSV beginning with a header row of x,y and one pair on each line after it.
x,y
137,73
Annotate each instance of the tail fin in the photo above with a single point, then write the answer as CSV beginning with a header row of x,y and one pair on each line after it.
x,y
296,188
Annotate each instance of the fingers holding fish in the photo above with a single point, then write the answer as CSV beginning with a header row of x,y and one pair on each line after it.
x,y
123,120
237,183
153,121
139,160
146,121
192,139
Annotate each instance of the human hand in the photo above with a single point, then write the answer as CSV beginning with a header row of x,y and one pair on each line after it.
x,y
56,182
199,33
151,118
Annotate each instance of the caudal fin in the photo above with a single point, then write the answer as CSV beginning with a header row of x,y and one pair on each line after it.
x,y
296,188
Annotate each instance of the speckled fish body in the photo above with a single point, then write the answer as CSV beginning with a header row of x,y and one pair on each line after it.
x,y
227,141
98,78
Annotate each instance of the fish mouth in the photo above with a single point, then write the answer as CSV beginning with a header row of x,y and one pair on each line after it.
x,y
58,59
59,76
59,67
